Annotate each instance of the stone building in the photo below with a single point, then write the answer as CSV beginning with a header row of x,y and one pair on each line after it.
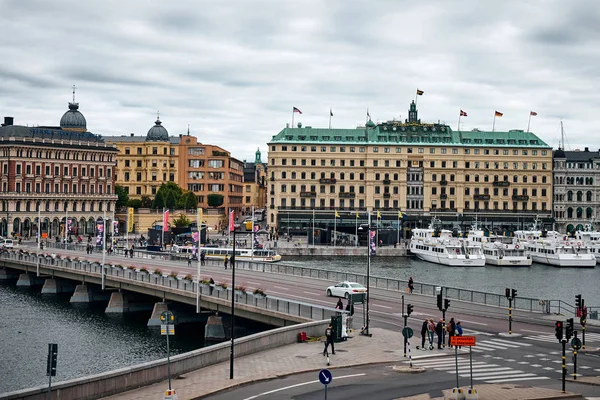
x,y
255,184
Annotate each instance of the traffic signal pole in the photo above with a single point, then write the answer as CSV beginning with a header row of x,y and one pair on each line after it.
x,y
575,358
564,365
510,315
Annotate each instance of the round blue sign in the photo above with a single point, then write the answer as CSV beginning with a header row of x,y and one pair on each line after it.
x,y
325,376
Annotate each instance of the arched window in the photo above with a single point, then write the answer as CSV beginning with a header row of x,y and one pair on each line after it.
x,y
579,212
588,196
569,196
589,212
579,196
569,212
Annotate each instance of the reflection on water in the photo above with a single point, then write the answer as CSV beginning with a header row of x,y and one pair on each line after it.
x,y
538,281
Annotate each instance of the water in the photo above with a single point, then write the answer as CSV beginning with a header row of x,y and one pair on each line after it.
x,y
538,281
89,341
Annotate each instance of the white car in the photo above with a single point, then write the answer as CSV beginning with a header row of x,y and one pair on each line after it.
x,y
344,289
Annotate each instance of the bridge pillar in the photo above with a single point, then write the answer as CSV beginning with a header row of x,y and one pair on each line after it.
x,y
118,303
28,279
159,308
53,285
7,273
214,331
83,294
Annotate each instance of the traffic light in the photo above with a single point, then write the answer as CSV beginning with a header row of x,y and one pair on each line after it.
x,y
409,309
514,293
582,320
569,330
52,358
446,304
439,301
558,328
507,292
578,301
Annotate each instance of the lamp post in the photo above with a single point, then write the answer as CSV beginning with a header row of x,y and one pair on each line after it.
x,y
232,306
365,331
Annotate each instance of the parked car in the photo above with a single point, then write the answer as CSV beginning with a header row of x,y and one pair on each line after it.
x,y
8,243
344,289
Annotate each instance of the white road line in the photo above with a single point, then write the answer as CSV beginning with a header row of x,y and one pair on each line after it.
x,y
473,322
489,344
527,330
379,305
484,375
281,288
510,342
298,385
517,379
313,293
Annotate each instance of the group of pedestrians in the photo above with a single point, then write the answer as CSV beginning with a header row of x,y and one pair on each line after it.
x,y
429,329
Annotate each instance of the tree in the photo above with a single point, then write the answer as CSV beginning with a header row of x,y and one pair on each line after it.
x,y
159,200
181,221
188,201
122,196
170,199
135,203
215,200
170,192
146,201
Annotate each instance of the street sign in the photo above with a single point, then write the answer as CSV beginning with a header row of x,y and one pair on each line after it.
x,y
466,341
325,376
576,343
167,327
407,332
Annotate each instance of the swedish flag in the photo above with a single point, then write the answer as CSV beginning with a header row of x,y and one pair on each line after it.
x,y
378,215
357,216
400,215
337,214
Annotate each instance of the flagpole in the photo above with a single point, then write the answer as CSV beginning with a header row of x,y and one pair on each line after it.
x,y
39,233
459,115
330,118
416,97
494,124
293,117
398,229
529,122
334,226
356,229
162,240
313,229
377,231
252,238
199,225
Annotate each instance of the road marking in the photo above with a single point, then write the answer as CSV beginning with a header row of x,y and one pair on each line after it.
x,y
279,287
473,322
378,305
298,385
527,330
517,379
313,293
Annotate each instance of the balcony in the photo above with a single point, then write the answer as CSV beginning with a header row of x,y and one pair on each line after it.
x,y
520,198
308,194
347,195
387,182
443,183
327,180
443,196
481,197
501,183
387,195
272,192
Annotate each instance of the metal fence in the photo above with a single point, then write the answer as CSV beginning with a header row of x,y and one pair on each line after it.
x,y
86,267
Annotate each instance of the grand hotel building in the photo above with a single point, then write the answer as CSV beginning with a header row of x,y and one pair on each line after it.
x,y
417,168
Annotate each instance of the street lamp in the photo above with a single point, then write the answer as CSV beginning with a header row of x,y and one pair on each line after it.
x,y
365,331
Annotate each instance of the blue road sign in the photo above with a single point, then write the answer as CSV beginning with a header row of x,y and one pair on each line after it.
x,y
325,376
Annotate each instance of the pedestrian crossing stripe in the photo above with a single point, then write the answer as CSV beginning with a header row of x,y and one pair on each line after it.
x,y
589,337
482,371
498,344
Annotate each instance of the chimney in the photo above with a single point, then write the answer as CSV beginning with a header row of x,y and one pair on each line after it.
x,y
587,149
131,134
8,121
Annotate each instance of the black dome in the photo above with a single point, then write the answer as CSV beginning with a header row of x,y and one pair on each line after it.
x,y
157,133
73,119
559,154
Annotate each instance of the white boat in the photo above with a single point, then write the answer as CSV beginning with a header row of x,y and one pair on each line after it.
x,y
505,252
559,250
590,238
219,253
440,247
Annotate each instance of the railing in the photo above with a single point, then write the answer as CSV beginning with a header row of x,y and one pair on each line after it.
x,y
86,267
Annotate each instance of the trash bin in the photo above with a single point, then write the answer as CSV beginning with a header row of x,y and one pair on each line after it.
x,y
336,324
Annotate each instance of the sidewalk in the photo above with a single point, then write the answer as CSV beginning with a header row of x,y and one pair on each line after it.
x,y
304,357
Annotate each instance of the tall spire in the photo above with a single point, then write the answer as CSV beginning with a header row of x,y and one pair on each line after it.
x,y
74,88
188,133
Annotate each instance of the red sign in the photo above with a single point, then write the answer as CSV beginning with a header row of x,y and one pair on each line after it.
x,y
462,341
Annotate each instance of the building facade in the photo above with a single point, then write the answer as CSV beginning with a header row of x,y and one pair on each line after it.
x,y
576,189
411,167
255,184
145,162
65,172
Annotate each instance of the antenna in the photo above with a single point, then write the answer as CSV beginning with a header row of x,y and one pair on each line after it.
x,y
157,115
188,133
562,136
74,88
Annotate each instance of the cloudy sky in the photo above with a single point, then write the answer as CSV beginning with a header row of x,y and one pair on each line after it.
x,y
233,69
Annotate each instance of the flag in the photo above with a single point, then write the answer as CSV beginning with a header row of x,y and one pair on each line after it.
x,y
130,219
166,221
297,110
463,113
533,113
400,215
231,222
498,114
357,215
419,92
330,113
337,214
378,215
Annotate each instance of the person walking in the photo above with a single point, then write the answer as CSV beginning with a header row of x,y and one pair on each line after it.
x,y
451,329
424,333
411,285
339,305
459,331
439,330
190,260
202,258
225,261
431,332
329,339
211,285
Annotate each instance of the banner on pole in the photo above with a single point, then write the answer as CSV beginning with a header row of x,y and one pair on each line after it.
x,y
130,219
166,221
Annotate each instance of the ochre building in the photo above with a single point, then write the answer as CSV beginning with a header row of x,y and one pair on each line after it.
x,y
418,169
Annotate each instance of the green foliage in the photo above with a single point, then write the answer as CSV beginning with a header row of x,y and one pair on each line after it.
x,y
188,201
215,200
135,203
170,199
159,200
122,196
182,221
146,201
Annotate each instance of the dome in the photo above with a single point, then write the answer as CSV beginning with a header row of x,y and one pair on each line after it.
x,y
559,153
370,124
73,119
157,132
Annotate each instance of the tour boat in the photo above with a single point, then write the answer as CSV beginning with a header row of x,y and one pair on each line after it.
x,y
499,250
559,250
441,247
590,238
219,253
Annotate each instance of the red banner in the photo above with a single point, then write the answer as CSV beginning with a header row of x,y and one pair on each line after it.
x,y
166,221
231,222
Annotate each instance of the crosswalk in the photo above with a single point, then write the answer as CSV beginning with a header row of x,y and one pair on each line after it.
x,y
482,371
497,344
589,337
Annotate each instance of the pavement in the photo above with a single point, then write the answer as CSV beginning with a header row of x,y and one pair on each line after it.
x,y
384,346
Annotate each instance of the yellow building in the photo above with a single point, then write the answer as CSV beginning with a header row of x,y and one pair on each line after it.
x,y
415,168
255,184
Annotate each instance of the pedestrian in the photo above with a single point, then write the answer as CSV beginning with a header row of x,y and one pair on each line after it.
x,y
329,339
459,331
451,329
339,305
225,261
350,307
439,330
211,285
202,258
411,285
424,333
190,260
431,331
131,252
